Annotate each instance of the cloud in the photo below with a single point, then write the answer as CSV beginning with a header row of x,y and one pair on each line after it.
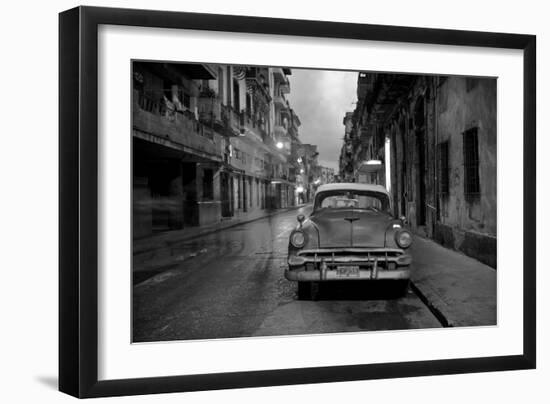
x,y
321,98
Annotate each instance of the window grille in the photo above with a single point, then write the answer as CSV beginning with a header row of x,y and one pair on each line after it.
x,y
471,164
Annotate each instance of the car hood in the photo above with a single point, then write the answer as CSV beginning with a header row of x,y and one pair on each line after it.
x,y
351,228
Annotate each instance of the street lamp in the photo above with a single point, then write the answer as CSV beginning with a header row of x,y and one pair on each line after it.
x,y
279,145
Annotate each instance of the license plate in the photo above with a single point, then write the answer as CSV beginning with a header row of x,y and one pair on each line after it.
x,y
346,271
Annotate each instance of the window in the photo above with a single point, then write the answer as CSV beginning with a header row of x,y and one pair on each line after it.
x,y
471,164
352,199
184,98
228,85
208,184
220,83
236,96
443,153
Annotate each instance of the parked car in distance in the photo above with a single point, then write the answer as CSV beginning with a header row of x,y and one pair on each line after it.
x,y
350,235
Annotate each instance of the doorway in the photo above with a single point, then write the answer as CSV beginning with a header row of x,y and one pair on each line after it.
x,y
227,210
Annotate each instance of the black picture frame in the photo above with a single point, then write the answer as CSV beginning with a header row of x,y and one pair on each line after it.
x,y
78,200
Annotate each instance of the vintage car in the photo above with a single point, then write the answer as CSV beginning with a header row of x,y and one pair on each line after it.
x,y
351,234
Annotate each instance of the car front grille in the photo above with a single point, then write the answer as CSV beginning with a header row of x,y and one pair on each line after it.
x,y
365,258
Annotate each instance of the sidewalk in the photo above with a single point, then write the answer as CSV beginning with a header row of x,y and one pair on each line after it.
x,y
460,290
164,250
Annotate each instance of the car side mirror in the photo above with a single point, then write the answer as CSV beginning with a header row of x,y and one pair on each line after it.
x,y
301,219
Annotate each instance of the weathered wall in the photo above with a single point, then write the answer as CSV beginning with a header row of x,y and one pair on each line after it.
x,y
433,112
469,224
460,110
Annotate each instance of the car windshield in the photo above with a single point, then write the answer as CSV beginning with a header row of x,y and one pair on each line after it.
x,y
352,199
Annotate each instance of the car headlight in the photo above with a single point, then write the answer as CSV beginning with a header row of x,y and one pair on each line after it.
x,y
403,238
298,239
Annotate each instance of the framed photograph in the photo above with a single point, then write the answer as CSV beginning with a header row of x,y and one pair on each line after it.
x,y
251,201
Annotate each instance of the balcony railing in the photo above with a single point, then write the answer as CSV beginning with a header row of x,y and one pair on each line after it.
x,y
154,117
149,104
280,101
210,112
233,121
253,126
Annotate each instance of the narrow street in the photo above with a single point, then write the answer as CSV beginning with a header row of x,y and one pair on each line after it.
x,y
231,284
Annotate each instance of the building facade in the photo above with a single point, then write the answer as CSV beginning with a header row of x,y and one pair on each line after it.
x,y
308,170
210,143
435,138
327,175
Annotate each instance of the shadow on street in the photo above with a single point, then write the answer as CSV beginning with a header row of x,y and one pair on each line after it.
x,y
359,290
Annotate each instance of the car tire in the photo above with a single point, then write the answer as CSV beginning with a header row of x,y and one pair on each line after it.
x,y
304,291
308,290
314,289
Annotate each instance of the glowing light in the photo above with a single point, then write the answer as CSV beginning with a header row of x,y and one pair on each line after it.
x,y
300,189
279,145
373,162
299,160
301,170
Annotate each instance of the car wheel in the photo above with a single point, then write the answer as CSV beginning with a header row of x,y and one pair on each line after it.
x,y
308,290
314,290
304,290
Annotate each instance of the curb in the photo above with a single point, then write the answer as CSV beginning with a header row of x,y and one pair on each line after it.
x,y
436,311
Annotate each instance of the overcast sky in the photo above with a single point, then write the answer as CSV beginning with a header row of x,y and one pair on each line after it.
x,y
321,98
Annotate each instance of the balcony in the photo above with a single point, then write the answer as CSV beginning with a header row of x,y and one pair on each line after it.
x,y
233,121
280,101
210,112
280,131
178,130
268,140
278,73
253,127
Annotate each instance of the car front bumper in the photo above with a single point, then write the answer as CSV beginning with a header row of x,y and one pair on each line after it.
x,y
332,264
301,275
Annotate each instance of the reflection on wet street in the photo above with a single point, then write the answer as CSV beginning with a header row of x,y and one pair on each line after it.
x,y
231,284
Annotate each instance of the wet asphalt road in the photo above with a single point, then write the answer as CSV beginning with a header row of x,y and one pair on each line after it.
x,y
233,285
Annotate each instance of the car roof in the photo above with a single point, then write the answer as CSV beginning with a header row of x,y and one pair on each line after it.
x,y
352,186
